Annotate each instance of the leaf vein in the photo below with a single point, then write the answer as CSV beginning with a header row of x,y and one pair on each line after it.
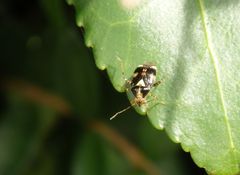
x,y
216,64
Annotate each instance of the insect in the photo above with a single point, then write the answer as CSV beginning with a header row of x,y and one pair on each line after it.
x,y
142,81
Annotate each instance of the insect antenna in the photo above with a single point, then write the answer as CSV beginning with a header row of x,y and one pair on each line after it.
x,y
125,109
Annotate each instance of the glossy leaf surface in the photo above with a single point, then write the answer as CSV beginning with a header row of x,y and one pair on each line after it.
x,y
194,45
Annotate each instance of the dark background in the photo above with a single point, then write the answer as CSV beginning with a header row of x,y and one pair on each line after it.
x,y
55,104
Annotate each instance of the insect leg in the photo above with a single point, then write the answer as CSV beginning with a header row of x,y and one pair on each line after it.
x,y
157,83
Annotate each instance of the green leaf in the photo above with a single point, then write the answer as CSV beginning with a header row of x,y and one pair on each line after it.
x,y
194,45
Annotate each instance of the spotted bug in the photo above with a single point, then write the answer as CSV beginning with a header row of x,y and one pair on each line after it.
x,y
142,81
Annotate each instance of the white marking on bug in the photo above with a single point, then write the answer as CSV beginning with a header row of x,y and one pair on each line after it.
x,y
154,67
141,83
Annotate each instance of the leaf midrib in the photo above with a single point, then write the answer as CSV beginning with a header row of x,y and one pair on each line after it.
x,y
215,61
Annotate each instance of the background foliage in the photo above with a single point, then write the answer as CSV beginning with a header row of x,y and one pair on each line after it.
x,y
55,104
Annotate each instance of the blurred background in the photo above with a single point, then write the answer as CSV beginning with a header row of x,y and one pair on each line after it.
x,y
55,104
